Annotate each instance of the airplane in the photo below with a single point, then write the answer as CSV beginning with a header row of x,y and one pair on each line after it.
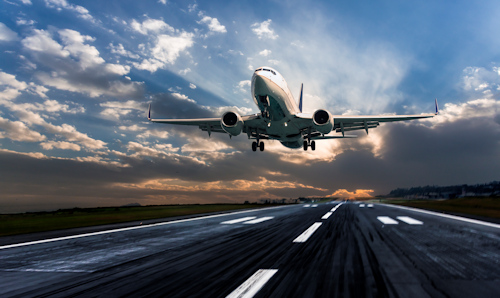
x,y
282,119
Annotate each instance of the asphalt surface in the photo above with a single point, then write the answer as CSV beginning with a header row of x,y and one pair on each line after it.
x,y
290,251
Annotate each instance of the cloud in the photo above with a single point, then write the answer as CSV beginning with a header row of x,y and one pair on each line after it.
x,y
479,80
192,86
358,193
10,80
151,26
134,127
116,109
212,23
165,51
120,50
265,53
156,133
244,86
60,145
18,131
6,34
71,134
81,11
262,30
77,66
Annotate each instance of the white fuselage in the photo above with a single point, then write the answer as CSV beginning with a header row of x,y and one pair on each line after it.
x,y
271,94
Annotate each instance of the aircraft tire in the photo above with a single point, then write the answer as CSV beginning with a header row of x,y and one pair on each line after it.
x,y
305,145
261,146
313,145
254,146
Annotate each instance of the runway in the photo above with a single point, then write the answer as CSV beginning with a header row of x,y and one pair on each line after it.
x,y
324,250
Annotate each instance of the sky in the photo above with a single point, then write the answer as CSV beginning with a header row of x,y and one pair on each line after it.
x,y
76,79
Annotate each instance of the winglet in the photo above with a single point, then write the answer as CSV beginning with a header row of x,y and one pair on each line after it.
x,y
300,98
437,109
149,113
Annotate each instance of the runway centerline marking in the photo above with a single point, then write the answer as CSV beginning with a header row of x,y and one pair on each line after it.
x,y
409,220
336,207
133,228
328,214
386,220
258,220
233,221
253,284
307,233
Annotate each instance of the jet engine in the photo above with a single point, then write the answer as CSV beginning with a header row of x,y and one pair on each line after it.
x,y
323,121
232,123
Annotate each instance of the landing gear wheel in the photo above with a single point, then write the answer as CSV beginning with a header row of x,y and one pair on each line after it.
x,y
261,146
254,146
305,145
313,145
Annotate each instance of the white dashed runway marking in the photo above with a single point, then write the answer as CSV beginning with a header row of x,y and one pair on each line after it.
x,y
238,220
386,220
307,233
253,284
328,214
409,220
258,220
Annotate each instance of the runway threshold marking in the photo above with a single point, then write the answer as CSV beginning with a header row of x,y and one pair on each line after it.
x,y
314,206
253,284
409,220
305,206
258,220
307,233
386,220
132,228
233,221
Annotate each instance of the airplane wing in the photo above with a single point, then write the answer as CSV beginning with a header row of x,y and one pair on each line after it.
x,y
253,123
343,123
350,123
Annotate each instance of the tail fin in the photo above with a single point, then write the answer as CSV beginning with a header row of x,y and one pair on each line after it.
x,y
149,113
437,109
300,98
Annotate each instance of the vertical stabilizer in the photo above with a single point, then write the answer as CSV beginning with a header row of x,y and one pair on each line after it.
x,y
300,97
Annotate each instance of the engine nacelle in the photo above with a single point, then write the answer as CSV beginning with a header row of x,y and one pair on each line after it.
x,y
232,123
323,121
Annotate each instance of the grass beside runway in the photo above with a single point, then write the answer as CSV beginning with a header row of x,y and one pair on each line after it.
x,y
477,206
14,224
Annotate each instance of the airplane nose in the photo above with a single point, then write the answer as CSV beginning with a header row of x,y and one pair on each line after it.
x,y
260,85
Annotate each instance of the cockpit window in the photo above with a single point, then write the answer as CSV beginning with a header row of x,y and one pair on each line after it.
x,y
266,69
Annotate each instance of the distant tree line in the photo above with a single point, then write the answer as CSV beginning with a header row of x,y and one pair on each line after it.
x,y
488,189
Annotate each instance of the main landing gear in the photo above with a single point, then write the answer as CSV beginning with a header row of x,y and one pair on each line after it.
x,y
311,144
257,144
